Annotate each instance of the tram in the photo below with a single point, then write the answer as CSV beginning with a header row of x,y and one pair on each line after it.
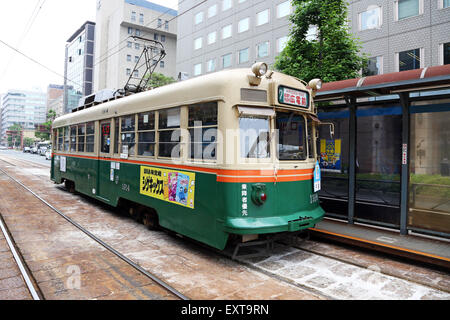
x,y
228,154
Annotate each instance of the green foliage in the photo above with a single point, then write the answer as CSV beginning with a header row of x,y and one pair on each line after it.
x,y
45,135
333,56
28,142
159,80
16,140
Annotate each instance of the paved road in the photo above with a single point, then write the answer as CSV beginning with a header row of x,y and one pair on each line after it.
x,y
26,156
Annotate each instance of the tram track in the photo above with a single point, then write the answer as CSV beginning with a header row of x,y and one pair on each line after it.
x,y
289,280
146,273
23,268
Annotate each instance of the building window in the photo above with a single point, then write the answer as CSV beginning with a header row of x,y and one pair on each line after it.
x,y
226,4
137,46
141,18
242,1
133,16
155,37
199,17
262,17
243,55
312,33
128,57
370,19
163,38
212,37
244,25
446,53
198,69
130,30
226,31
281,43
409,60
129,44
446,4
374,67
211,65
128,71
159,23
138,32
283,9
166,25
262,49
198,43
136,59
226,60
212,11
408,8
161,64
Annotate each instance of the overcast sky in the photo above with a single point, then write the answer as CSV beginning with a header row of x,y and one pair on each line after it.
x,y
45,41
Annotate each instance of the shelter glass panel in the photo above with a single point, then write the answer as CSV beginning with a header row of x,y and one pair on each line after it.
x,y
429,207
334,162
378,164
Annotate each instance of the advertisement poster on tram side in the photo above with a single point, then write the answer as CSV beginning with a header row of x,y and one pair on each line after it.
x,y
173,186
330,155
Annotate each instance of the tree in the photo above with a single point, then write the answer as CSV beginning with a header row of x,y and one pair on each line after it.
x,y
333,55
14,139
159,80
44,130
28,142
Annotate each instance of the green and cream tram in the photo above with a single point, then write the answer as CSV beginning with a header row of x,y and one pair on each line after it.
x,y
229,153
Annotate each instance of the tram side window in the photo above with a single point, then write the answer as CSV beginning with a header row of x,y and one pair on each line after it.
x,y
169,133
73,138
81,137
116,135
310,140
105,137
60,139
55,139
291,136
202,128
128,135
90,136
146,134
254,137
66,139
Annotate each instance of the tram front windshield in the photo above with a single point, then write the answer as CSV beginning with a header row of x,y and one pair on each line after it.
x,y
291,136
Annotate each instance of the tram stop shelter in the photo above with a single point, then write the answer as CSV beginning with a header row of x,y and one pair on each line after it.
x,y
387,165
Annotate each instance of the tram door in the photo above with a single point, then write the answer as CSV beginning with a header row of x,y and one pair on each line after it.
x,y
104,166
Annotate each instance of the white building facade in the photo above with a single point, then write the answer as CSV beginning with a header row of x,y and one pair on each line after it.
x,y
117,51
26,108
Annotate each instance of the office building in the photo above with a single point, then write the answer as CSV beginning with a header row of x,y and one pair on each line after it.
x,y
55,99
79,65
26,108
117,52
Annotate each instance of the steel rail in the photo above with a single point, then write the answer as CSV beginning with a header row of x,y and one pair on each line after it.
x,y
18,260
102,243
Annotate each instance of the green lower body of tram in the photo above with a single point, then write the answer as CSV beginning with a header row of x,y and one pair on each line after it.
x,y
218,209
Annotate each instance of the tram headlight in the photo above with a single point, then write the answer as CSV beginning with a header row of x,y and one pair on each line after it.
x,y
315,84
260,69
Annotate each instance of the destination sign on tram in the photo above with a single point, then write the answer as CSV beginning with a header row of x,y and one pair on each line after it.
x,y
293,97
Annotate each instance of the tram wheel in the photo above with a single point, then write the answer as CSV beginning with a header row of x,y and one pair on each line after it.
x,y
149,218
70,186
